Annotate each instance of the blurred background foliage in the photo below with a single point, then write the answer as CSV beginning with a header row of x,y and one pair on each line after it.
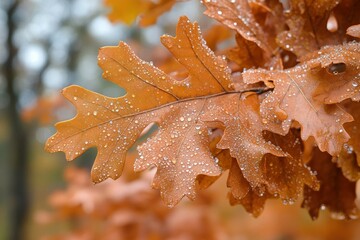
x,y
46,45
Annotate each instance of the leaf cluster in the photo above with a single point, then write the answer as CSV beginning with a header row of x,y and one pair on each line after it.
x,y
279,110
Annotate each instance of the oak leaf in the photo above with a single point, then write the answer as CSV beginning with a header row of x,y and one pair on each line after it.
x,y
257,24
349,157
297,96
246,54
313,24
180,148
281,177
286,176
336,192
237,15
307,23
262,165
243,133
241,193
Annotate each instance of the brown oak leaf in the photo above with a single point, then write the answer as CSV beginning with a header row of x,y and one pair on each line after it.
x,y
180,148
265,159
296,96
243,132
237,15
338,76
336,192
285,176
349,158
247,54
313,24
241,193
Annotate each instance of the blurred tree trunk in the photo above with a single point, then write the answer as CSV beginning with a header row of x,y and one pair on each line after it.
x,y
18,145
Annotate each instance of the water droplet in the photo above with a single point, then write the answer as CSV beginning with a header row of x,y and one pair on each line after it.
x,y
332,24
95,113
336,68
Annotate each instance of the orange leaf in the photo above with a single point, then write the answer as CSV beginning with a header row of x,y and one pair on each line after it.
x,y
180,148
155,10
127,10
